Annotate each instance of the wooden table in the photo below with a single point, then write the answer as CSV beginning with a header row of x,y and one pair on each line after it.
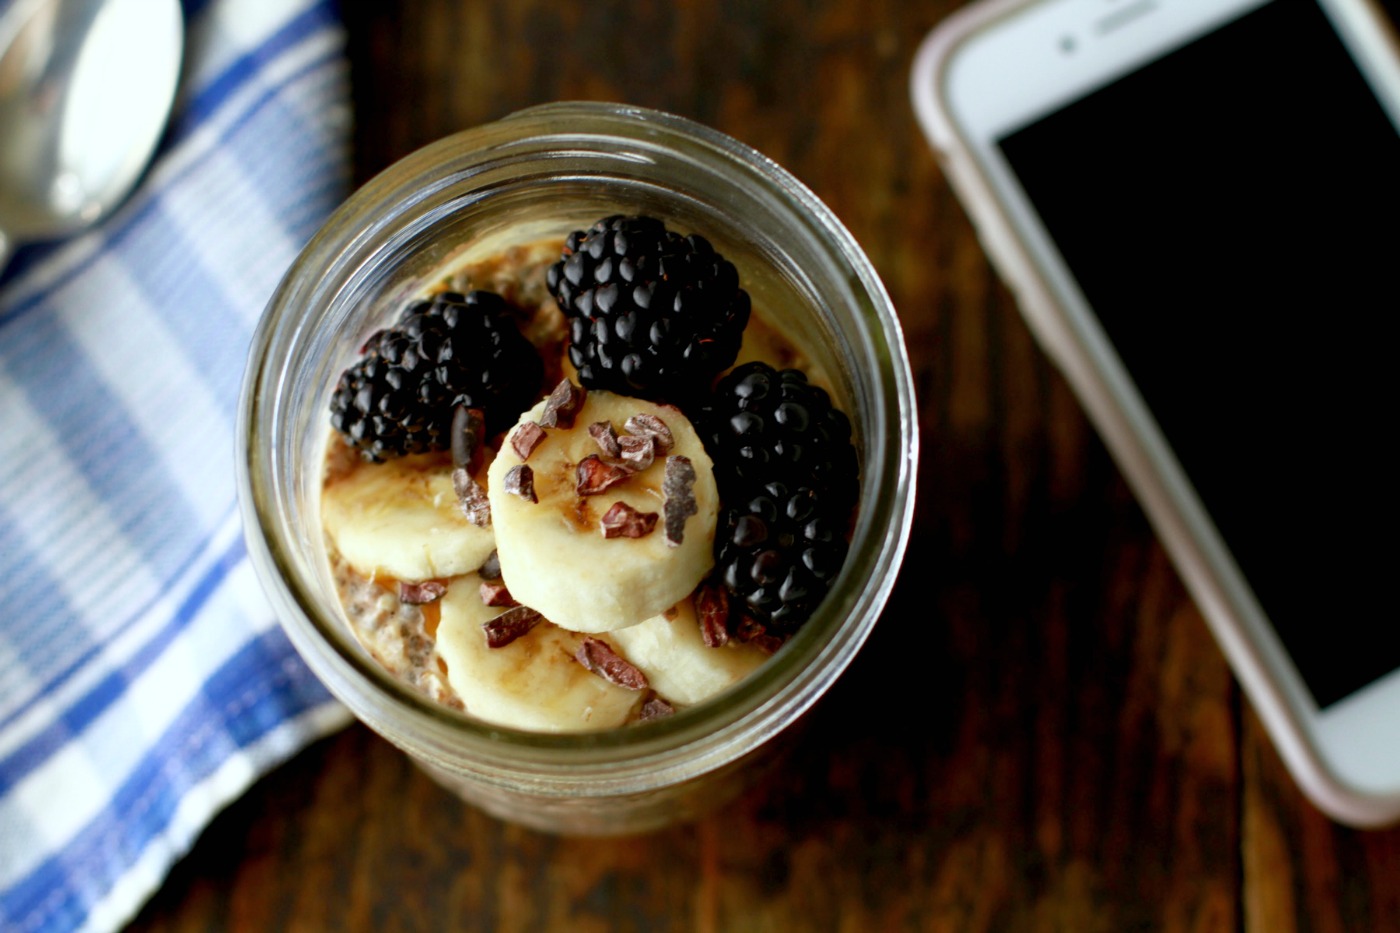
x,y
1041,733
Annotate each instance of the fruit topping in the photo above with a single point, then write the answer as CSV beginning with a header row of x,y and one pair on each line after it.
x,y
574,554
402,519
651,313
680,667
532,682
763,426
777,554
452,350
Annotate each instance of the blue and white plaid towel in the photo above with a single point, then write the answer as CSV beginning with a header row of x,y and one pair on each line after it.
x,y
143,680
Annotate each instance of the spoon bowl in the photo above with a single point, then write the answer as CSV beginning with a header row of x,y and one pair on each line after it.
x,y
86,87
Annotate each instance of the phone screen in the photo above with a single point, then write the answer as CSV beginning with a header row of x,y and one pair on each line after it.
x,y
1231,212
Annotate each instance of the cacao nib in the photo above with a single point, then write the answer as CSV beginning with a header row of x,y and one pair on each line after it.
x,y
768,644
472,498
520,481
645,425
491,568
623,521
678,497
510,625
494,593
420,594
468,437
563,405
749,629
637,453
594,475
712,609
655,708
603,433
526,438
598,656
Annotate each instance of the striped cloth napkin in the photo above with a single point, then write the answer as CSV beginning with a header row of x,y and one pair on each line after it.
x,y
144,682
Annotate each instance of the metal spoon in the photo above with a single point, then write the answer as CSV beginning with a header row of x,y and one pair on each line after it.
x,y
85,90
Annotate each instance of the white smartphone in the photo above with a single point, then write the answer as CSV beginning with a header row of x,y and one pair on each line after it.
x,y
1197,205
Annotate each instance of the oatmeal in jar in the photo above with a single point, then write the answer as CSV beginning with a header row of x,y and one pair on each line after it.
x,y
583,484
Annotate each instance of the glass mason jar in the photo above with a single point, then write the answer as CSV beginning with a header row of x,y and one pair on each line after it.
x,y
542,173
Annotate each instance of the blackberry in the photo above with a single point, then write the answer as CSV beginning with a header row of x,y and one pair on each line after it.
x,y
763,425
778,552
651,313
451,350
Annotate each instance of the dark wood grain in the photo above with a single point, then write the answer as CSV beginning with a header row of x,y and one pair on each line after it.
x,y
1040,735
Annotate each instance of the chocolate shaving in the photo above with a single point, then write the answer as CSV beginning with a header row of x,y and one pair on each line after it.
x,y
678,497
595,476
468,437
563,405
749,629
598,656
526,438
510,625
472,498
712,609
623,521
603,433
494,593
491,567
520,481
637,453
655,708
768,644
420,594
645,425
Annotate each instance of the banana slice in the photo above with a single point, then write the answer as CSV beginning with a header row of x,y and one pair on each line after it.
x,y
533,683
677,662
554,555
402,518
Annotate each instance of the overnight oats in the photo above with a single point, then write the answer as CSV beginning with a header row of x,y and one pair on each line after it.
x,y
583,520
579,485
